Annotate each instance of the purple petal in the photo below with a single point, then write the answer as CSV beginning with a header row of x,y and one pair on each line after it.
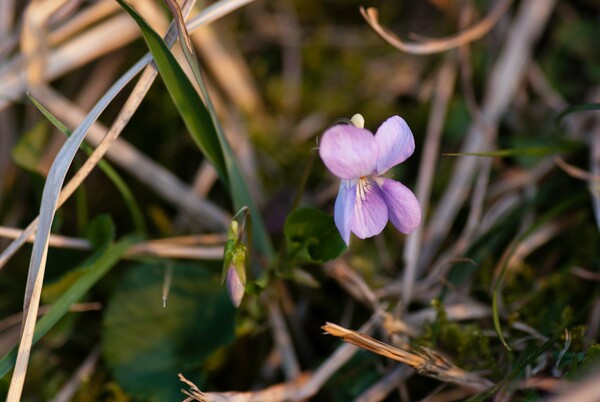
x,y
370,210
344,208
395,142
349,152
235,287
403,208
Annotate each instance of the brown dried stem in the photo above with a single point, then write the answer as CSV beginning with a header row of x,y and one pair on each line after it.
x,y
430,46
425,361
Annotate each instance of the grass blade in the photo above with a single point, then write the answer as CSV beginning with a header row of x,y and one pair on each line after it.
x,y
202,123
485,396
553,213
96,266
525,151
109,171
185,97
576,108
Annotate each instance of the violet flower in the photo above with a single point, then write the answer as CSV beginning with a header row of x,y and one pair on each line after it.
x,y
366,200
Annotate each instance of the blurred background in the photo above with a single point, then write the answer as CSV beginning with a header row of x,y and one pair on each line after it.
x,y
521,218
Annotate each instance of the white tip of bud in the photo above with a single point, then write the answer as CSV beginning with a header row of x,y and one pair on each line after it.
x,y
358,120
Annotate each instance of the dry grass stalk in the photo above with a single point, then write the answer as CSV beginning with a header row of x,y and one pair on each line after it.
x,y
86,46
443,93
576,172
426,362
275,393
83,373
502,84
353,283
16,319
582,391
166,248
430,46
329,367
538,238
594,186
157,178
283,340
228,67
210,14
382,388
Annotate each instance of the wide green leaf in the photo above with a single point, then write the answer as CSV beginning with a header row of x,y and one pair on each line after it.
x,y
311,234
94,269
146,345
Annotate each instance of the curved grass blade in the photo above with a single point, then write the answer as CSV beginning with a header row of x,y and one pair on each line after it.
x,y
109,171
202,122
485,396
576,108
96,267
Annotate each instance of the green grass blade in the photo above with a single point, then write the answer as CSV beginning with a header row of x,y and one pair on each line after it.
x,y
576,108
186,99
107,169
96,267
526,151
202,123
520,367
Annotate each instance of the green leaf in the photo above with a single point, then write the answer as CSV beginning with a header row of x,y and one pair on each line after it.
x,y
101,231
186,99
28,151
95,268
146,345
203,127
524,151
576,108
311,234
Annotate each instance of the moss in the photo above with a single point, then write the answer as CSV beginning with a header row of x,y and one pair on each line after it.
x,y
466,344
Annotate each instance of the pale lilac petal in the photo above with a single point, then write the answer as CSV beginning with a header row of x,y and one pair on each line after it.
x,y
348,152
370,210
395,143
403,208
235,287
344,208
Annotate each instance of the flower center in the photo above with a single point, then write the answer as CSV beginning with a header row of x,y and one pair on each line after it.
x,y
362,188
